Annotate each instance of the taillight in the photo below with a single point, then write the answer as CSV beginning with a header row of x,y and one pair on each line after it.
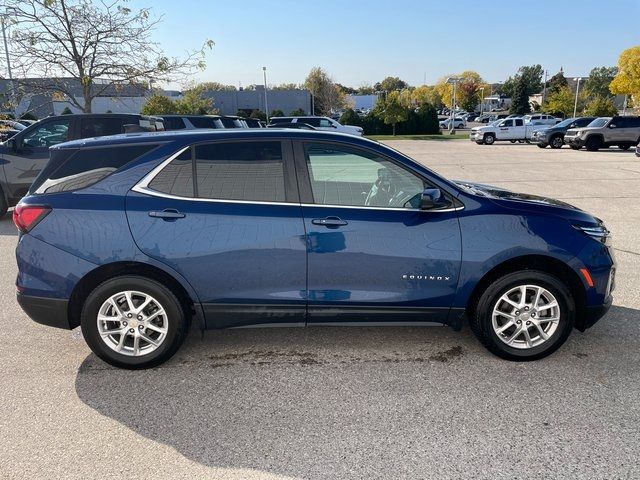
x,y
26,217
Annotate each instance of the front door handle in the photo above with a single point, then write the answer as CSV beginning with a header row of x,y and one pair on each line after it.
x,y
329,222
168,214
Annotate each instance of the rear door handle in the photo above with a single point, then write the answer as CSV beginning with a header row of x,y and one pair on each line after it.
x,y
168,214
329,221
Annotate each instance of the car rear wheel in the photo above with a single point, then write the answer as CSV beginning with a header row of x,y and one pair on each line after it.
x,y
557,142
489,138
540,145
133,322
524,315
624,147
593,143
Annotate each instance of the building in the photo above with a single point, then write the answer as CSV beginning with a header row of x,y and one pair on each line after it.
x,y
229,102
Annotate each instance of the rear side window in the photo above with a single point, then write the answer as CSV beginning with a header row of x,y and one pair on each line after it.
x,y
177,177
251,171
99,127
247,171
519,122
85,167
280,120
174,123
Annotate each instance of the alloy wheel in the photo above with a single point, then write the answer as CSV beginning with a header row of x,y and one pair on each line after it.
x,y
132,323
526,316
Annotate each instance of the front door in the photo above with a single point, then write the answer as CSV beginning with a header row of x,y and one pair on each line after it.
x,y
373,255
506,130
226,216
28,152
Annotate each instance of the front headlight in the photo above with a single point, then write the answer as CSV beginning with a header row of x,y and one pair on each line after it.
x,y
597,232
578,133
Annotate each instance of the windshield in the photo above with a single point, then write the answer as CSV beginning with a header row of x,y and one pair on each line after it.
x,y
599,122
565,123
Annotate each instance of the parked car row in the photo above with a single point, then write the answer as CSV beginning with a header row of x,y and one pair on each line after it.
x,y
593,133
318,123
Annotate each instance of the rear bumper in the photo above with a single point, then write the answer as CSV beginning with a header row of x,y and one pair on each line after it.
x,y
52,312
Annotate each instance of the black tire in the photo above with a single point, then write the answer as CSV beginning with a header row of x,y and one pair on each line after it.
x,y
489,138
556,141
481,316
593,144
540,145
624,147
176,329
512,141
574,147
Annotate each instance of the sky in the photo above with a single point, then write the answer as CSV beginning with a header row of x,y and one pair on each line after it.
x,y
359,42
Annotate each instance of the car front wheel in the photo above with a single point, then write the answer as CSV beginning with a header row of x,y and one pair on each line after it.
x,y
133,322
489,138
524,315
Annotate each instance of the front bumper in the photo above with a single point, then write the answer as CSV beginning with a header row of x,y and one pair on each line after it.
x,y
574,141
593,314
476,136
52,312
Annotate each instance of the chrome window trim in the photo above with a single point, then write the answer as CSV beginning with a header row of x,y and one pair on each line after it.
x,y
143,187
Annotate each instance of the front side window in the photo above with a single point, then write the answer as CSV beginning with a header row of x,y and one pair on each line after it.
x,y
507,123
324,122
341,175
47,134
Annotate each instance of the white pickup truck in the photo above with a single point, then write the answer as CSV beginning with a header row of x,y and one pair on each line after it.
x,y
511,129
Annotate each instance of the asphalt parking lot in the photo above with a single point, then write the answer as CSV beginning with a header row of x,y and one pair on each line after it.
x,y
338,403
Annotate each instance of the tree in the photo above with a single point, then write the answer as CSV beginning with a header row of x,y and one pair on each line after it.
x,y
217,86
193,102
286,86
66,111
258,115
298,112
350,117
159,105
365,90
601,107
277,113
428,119
562,102
101,46
597,85
520,99
391,84
327,96
426,94
392,110
467,90
528,80
627,80
556,83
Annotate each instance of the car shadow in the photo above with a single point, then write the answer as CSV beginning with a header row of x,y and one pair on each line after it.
x,y
331,402
7,227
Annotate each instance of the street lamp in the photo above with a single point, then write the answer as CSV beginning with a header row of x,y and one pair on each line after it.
x,y
575,105
266,107
3,20
454,81
481,99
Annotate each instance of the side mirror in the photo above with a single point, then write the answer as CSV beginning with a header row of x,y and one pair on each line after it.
x,y
433,198
612,125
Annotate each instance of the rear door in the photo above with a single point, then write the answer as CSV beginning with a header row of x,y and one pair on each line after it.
x,y
372,254
28,152
226,215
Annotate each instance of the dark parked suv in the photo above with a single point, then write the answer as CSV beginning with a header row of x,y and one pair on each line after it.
x,y
27,152
131,237
554,136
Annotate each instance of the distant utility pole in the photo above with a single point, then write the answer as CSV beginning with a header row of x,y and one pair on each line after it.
x,y
544,89
266,107
454,81
575,105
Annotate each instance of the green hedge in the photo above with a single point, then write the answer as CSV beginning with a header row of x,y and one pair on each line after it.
x,y
423,121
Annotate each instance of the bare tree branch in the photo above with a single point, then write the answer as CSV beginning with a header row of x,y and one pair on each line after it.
x,y
103,46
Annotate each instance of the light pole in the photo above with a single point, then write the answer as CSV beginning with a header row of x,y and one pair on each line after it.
x,y
266,107
481,99
575,105
454,81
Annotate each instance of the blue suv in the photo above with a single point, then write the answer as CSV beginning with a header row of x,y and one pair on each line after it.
x,y
133,237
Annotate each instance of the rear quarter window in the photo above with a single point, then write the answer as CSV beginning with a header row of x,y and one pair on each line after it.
x,y
84,167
